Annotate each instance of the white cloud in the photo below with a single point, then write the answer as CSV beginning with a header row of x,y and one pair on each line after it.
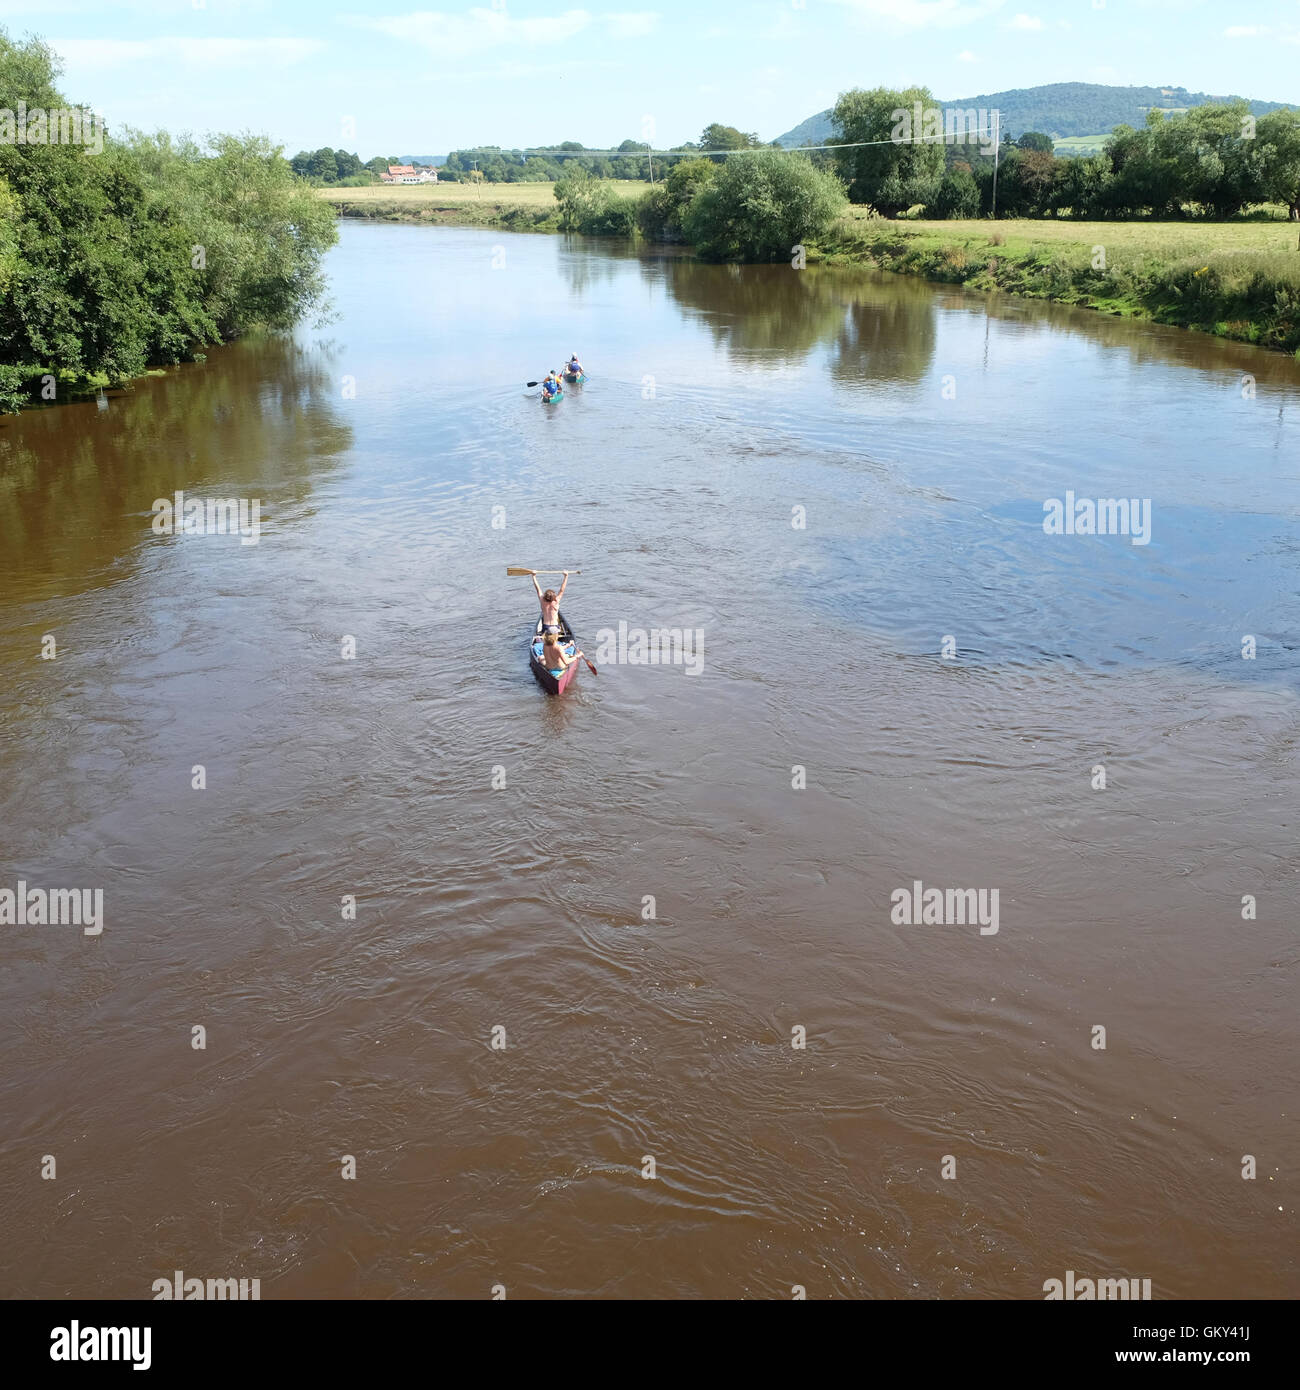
x,y
10,9
633,25
1026,21
966,56
94,54
469,34
460,36
1262,31
920,14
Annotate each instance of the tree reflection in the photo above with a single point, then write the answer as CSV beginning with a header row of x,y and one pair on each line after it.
x,y
77,482
877,327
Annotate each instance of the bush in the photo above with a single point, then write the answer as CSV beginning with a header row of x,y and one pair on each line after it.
x,y
611,215
653,212
16,385
959,195
662,208
762,205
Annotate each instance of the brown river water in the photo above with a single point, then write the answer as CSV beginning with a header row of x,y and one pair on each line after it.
x,y
501,844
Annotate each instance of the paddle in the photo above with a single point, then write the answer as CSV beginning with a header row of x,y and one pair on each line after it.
x,y
512,570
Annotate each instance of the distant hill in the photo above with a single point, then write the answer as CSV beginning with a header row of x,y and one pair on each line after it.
x,y
437,160
1060,109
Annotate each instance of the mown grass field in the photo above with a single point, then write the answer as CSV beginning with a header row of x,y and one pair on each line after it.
x,y
457,201
1125,240
1235,279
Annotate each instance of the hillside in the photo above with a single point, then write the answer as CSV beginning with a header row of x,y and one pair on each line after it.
x,y
1060,109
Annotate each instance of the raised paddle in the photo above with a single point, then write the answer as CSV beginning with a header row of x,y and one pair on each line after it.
x,y
512,570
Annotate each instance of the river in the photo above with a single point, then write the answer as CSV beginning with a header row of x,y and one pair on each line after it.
x,y
560,1035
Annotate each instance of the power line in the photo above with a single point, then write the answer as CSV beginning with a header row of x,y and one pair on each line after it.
x,y
953,138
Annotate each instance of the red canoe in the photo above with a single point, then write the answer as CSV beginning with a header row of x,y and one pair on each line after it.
x,y
554,685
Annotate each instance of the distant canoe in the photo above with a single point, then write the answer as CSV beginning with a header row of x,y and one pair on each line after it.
x,y
550,400
554,685
577,379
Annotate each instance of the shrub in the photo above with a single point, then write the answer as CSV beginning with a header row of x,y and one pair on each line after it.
x,y
760,206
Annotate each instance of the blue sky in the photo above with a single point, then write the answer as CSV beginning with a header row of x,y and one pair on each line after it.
x,y
426,81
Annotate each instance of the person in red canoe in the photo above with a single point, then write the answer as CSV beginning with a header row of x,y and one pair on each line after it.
x,y
550,602
553,656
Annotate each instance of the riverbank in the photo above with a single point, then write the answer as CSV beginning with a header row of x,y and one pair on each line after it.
x,y
1238,280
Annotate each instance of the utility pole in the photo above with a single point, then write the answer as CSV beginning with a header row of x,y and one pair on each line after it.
x,y
651,157
997,145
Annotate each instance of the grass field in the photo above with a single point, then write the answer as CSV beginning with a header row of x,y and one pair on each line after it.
x,y
1126,240
456,201
1081,144
1234,279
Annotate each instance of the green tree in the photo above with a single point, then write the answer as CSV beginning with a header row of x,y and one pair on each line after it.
x,y
904,170
1083,186
9,210
1036,140
578,195
959,194
726,137
1278,134
760,206
323,166
663,208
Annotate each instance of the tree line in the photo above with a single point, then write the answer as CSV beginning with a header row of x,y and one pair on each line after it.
x,y
143,253
1212,161
492,164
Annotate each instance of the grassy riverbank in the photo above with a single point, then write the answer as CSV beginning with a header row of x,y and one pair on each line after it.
x,y
516,207
1237,280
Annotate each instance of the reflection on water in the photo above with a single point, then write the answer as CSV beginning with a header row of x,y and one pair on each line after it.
x,y
77,482
501,846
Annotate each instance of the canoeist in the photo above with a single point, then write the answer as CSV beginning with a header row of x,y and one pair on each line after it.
x,y
551,386
575,367
550,602
553,656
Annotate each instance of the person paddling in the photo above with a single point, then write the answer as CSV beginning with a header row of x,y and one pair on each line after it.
x,y
551,386
550,602
553,656
575,367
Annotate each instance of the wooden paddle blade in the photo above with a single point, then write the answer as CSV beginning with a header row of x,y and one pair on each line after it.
x,y
510,569
594,672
